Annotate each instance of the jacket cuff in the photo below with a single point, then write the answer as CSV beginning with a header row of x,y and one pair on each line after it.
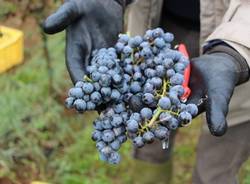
x,y
241,63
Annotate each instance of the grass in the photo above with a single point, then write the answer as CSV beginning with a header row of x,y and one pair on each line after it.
x,y
40,140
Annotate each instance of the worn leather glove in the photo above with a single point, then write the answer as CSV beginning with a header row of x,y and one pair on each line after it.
x,y
215,75
90,25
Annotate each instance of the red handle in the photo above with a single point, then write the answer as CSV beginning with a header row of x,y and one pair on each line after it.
x,y
187,91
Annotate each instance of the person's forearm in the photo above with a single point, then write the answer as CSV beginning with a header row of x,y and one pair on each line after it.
x,y
234,31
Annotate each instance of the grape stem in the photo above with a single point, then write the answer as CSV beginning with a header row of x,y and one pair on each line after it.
x,y
86,78
159,110
155,117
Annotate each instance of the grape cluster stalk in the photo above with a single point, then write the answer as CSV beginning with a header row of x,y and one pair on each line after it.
x,y
139,81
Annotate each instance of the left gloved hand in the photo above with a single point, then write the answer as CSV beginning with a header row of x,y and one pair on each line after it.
x,y
90,25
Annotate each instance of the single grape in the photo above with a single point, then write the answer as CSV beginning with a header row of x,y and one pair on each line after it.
x,y
135,87
123,38
192,109
95,97
117,79
148,137
170,73
165,103
185,117
88,88
127,50
106,150
115,145
119,47
97,86
106,91
108,136
158,32
91,68
79,84
149,73
76,93
98,125
177,89
156,82
100,145
173,124
91,106
97,135
122,138
119,108
148,98
115,95
146,52
103,69
114,158
69,102
168,63
128,69
105,80
116,121
132,126
146,113
161,133
148,88
136,116
106,123
165,117
86,98
127,97
168,37
80,105
138,142
119,131
177,79
179,68
160,70
160,43
137,76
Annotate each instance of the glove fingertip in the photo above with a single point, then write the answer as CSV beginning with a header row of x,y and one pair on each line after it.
x,y
47,27
218,131
217,125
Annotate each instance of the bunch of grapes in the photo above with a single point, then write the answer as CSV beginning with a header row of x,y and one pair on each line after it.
x,y
140,82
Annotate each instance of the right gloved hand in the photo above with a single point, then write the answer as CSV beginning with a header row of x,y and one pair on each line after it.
x,y
90,25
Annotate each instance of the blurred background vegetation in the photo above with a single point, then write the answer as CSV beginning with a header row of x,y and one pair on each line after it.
x,y
39,138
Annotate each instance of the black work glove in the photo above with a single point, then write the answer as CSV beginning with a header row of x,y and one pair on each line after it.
x,y
215,75
90,25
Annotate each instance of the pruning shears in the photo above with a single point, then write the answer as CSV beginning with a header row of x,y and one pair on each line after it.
x,y
187,91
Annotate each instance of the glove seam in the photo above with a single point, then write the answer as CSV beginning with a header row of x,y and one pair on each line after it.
x,y
241,63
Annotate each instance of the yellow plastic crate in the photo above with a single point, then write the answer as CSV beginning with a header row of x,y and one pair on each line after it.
x,y
11,48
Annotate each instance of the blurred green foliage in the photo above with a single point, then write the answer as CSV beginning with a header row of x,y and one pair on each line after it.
x,y
6,8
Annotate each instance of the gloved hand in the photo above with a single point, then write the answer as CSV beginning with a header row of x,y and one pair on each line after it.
x,y
89,24
215,75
